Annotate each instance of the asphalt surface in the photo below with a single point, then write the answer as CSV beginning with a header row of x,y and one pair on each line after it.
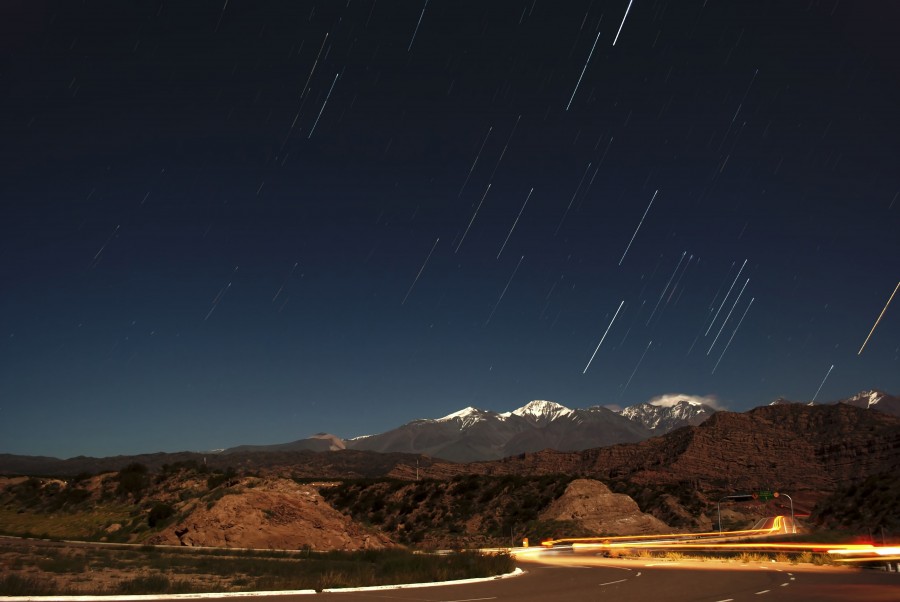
x,y
661,583
580,579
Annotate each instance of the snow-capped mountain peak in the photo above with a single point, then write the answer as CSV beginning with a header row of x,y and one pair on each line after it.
x,y
868,398
466,417
540,411
662,418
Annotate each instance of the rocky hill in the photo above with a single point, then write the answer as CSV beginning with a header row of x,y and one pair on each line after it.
x,y
596,509
268,513
807,451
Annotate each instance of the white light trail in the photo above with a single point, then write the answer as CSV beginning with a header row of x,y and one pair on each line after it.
x,y
725,298
572,200
504,290
876,321
635,369
638,228
515,222
327,96
505,146
603,337
97,254
417,27
221,14
662,294
732,334
421,269
302,93
477,156
472,220
583,70
823,382
724,322
623,22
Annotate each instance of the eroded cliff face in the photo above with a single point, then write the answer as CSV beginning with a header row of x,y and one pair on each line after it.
x,y
271,514
786,446
592,505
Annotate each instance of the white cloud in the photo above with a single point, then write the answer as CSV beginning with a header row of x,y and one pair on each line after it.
x,y
669,399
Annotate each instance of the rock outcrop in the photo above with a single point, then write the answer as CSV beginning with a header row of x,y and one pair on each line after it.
x,y
271,514
597,509
789,447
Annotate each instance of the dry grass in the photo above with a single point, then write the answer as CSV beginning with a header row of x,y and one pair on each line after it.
x,y
63,525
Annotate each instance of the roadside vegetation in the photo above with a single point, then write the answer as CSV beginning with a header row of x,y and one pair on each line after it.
x,y
47,569
466,511
868,507
118,506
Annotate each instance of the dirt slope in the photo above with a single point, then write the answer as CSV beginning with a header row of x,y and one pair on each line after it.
x,y
269,513
591,504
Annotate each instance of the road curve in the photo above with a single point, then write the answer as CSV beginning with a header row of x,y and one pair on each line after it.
x,y
655,581
578,577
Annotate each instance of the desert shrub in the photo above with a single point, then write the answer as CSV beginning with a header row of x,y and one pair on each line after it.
x,y
159,513
220,478
133,479
153,584
15,585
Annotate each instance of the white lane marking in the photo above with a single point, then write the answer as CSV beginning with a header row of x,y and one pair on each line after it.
x,y
612,582
765,591
785,584
638,574
792,578
726,600
612,566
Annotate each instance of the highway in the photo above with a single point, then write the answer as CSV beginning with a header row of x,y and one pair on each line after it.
x,y
562,577
567,576
587,569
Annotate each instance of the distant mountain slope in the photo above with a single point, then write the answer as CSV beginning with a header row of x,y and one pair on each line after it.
x,y
472,434
320,442
661,419
792,447
875,400
867,400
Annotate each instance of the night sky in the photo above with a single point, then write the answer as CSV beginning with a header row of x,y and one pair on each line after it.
x,y
250,223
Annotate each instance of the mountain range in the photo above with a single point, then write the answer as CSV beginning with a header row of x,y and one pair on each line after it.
x,y
472,434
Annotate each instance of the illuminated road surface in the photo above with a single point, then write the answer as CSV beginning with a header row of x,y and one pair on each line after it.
x,y
575,577
566,575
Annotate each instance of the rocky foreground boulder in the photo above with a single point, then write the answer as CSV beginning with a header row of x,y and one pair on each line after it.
x,y
597,509
270,514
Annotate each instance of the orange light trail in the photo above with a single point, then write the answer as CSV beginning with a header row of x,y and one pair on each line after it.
x,y
712,542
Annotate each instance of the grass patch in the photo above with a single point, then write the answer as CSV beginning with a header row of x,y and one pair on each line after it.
x,y
62,525
155,584
191,571
17,585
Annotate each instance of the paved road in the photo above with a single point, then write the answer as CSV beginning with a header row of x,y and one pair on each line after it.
x,y
581,578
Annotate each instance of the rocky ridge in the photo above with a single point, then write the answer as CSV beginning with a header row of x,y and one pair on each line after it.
x,y
596,509
269,513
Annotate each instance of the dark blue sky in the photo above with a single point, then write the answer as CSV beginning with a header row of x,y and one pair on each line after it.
x,y
253,224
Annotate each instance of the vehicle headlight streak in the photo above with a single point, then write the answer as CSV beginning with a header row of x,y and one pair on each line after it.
x,y
714,541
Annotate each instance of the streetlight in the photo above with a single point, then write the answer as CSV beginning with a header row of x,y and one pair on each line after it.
x,y
793,524
737,498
